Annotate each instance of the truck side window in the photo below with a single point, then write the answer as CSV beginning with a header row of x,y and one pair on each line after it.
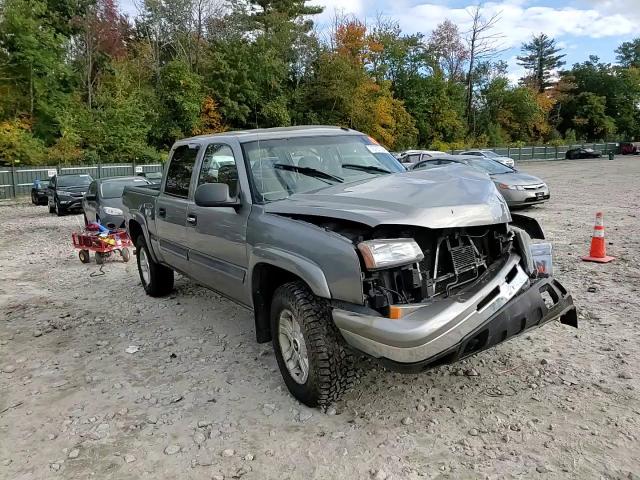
x,y
179,171
219,166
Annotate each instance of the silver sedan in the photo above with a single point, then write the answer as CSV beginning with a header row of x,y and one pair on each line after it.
x,y
519,189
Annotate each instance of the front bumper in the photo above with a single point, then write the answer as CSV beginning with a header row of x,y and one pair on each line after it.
x,y
504,302
112,221
518,198
70,203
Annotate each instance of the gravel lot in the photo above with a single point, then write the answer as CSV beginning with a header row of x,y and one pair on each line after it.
x,y
200,399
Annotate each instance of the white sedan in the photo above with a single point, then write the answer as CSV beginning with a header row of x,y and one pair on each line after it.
x,y
491,155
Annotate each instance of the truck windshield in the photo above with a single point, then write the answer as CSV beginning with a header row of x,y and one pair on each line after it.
x,y
282,167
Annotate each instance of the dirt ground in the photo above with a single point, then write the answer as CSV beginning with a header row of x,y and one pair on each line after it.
x,y
200,399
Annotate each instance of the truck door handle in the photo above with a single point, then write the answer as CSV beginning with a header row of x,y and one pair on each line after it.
x,y
162,211
192,220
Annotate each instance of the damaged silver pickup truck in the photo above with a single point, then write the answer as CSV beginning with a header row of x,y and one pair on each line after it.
x,y
340,252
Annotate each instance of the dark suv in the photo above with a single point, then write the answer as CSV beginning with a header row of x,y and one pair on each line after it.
x,y
65,192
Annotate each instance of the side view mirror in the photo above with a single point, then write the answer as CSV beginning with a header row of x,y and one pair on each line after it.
x,y
90,197
215,195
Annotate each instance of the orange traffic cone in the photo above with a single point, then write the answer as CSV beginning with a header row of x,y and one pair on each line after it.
x,y
598,252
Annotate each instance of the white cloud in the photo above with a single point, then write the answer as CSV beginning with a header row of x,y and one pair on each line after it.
x,y
518,22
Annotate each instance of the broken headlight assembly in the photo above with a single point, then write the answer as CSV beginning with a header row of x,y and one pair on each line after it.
x,y
385,253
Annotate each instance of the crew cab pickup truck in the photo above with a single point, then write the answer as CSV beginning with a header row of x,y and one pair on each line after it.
x,y
340,252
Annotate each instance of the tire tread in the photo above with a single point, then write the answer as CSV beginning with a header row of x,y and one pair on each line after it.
x,y
331,359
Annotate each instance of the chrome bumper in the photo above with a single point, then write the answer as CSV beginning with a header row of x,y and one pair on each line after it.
x,y
429,329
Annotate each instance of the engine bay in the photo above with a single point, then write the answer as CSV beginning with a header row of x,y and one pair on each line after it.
x,y
452,258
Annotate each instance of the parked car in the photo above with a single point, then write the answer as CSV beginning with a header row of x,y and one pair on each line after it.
x,y
103,201
630,148
414,156
518,189
153,177
65,192
577,153
340,252
39,191
508,161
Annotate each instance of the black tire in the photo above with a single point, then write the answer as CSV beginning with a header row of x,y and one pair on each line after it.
x,y
52,209
34,198
125,253
330,364
160,278
84,256
58,209
99,258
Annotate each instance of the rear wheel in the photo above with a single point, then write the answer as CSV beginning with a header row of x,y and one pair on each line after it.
x,y
34,198
100,258
316,366
126,254
157,280
52,209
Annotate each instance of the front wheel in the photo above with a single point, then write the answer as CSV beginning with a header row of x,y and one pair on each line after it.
x,y
84,256
52,209
59,209
157,280
126,254
34,198
316,366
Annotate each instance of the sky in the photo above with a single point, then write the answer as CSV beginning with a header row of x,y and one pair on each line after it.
x,y
580,27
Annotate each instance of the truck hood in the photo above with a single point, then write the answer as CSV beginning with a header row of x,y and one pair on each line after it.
x,y
458,196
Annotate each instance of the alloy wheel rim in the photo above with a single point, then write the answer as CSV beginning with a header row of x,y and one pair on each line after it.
x,y
293,346
144,266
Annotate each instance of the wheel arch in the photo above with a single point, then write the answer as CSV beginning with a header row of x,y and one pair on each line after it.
x,y
266,277
136,229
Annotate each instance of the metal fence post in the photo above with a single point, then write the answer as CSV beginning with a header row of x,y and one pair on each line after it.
x,y
133,168
519,153
545,152
508,151
99,169
13,180
556,154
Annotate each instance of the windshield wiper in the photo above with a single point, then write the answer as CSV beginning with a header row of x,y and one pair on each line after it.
x,y
311,172
365,168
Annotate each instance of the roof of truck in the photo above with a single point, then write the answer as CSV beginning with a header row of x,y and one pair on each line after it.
x,y
275,133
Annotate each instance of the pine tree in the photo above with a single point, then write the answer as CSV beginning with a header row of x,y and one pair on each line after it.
x,y
540,59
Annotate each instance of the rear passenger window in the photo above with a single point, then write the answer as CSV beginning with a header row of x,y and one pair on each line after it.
x,y
180,170
219,166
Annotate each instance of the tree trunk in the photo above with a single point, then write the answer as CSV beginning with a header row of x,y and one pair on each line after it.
x,y
31,89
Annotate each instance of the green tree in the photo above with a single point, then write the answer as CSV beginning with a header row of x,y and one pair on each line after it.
x,y
540,57
179,97
628,54
619,87
590,120
32,66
